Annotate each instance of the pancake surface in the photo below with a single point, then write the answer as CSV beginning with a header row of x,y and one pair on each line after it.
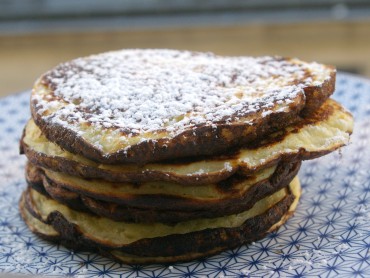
x,y
138,106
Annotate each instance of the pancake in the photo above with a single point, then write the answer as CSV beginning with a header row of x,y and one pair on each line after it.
x,y
141,106
324,131
159,243
33,177
163,202
159,156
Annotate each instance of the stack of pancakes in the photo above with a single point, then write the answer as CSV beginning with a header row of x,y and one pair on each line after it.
x,y
162,155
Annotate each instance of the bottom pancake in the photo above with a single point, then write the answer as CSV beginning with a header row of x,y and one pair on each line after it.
x,y
156,242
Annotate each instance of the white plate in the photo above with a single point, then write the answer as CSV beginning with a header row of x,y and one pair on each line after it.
x,y
329,235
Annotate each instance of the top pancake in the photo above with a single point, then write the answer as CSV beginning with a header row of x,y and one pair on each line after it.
x,y
139,106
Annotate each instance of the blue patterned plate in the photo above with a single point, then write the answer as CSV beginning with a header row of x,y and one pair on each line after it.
x,y
329,235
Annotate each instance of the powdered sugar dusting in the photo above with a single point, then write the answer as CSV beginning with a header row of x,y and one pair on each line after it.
x,y
136,91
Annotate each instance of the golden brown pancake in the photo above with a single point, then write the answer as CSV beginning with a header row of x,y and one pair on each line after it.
x,y
141,106
324,131
158,156
156,243
159,201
